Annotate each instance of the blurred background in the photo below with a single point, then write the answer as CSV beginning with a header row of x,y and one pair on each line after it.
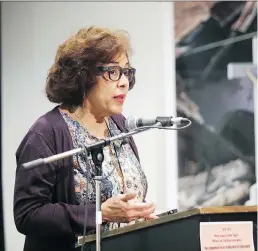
x,y
216,64
193,59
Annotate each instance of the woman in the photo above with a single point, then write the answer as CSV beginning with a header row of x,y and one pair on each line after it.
x,y
89,81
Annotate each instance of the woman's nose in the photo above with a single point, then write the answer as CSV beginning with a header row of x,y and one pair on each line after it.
x,y
123,82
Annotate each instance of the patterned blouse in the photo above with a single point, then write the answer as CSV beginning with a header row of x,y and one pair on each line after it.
x,y
115,181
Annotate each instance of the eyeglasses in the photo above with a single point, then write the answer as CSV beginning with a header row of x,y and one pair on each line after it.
x,y
114,73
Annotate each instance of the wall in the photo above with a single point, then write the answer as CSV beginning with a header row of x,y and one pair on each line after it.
x,y
31,32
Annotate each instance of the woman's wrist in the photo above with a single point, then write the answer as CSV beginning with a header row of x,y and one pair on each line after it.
x,y
104,212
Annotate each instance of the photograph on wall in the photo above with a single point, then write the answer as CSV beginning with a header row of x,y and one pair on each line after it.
x,y
216,63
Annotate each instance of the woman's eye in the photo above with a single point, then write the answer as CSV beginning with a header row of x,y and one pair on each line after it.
x,y
113,72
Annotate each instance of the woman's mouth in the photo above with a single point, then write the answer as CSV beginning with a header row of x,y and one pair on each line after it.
x,y
120,98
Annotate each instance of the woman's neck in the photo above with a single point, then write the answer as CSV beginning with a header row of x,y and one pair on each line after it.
x,y
95,124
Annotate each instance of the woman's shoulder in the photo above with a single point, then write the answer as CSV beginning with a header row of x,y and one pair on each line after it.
x,y
48,127
48,131
48,122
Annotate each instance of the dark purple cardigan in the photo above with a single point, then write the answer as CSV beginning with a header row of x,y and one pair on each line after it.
x,y
45,206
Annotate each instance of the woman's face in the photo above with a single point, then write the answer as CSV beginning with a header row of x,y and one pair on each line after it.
x,y
108,95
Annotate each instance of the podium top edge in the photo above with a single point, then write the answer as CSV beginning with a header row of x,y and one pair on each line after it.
x,y
227,209
172,217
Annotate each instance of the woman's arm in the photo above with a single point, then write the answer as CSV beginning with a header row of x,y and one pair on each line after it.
x,y
34,214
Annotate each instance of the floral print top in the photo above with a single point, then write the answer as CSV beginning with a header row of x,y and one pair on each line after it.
x,y
130,178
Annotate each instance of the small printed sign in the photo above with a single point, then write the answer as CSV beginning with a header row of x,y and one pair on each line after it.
x,y
227,236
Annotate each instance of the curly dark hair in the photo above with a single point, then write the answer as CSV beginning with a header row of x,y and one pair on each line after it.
x,y
73,73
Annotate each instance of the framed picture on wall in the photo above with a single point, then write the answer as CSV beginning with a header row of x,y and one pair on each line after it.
x,y
217,153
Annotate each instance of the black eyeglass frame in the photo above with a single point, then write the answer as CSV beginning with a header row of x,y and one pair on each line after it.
x,y
103,69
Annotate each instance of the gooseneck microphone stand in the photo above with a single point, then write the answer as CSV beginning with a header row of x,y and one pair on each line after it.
x,y
98,158
97,155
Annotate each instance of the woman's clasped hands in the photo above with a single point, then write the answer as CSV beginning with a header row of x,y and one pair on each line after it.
x,y
124,208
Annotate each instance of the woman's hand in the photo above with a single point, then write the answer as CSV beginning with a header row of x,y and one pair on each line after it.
x,y
122,208
151,217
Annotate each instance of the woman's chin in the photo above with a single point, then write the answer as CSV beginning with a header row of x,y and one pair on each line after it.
x,y
116,110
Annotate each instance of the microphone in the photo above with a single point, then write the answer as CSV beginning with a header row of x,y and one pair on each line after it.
x,y
133,123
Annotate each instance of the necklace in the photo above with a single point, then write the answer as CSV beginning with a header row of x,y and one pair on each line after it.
x,y
114,156
118,165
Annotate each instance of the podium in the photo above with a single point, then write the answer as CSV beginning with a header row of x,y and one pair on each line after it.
x,y
176,232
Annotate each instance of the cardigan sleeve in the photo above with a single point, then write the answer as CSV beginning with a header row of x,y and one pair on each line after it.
x,y
34,214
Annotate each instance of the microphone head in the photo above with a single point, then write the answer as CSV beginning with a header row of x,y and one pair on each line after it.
x,y
131,123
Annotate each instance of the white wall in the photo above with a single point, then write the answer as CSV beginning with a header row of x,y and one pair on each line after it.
x,y
31,32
